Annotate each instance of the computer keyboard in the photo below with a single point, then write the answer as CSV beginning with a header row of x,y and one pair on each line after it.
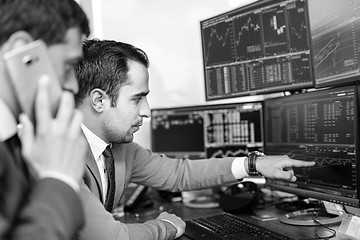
x,y
228,227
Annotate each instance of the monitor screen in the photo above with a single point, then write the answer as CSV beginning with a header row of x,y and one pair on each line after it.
x,y
258,48
207,130
320,126
335,31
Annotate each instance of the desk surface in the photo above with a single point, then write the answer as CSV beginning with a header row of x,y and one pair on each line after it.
x,y
296,232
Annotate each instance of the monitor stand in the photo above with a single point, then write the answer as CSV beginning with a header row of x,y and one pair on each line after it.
x,y
314,216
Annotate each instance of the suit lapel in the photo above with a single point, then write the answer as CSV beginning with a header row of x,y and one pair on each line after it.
x,y
94,170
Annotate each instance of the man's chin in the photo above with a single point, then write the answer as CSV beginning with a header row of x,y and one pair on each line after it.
x,y
128,138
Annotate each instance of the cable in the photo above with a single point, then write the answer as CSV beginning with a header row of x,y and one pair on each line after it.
x,y
317,236
318,225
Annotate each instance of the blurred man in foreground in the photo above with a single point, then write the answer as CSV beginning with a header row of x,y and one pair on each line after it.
x,y
41,171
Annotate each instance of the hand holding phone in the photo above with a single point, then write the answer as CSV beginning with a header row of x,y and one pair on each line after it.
x,y
56,144
52,143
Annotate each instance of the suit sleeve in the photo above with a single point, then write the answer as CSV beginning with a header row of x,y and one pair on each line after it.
x,y
48,209
161,172
100,224
52,211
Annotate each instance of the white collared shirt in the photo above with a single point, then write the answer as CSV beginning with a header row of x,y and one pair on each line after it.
x,y
8,123
238,168
97,146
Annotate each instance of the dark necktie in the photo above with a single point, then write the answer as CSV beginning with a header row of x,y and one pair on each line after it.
x,y
14,145
110,170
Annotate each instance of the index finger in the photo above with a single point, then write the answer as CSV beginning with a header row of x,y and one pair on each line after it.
x,y
300,163
42,105
66,107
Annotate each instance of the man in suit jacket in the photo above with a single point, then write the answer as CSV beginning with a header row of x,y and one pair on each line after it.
x,y
40,173
113,82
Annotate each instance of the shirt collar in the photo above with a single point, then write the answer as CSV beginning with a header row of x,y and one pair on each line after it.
x,y
8,123
97,145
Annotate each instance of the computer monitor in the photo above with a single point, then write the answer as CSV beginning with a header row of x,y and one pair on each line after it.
x,y
335,32
177,132
259,48
320,126
207,131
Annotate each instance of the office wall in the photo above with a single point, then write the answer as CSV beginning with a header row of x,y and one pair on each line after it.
x,y
169,32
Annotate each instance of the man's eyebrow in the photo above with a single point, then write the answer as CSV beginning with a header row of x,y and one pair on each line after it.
x,y
141,94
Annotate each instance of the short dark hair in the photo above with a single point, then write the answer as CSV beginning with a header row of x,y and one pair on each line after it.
x,y
48,20
105,66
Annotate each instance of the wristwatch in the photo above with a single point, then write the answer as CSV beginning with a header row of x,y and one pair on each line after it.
x,y
252,156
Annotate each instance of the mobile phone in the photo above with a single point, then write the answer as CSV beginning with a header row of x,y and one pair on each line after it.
x,y
26,65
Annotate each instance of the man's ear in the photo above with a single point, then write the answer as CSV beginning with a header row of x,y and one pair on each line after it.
x,y
97,99
17,39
